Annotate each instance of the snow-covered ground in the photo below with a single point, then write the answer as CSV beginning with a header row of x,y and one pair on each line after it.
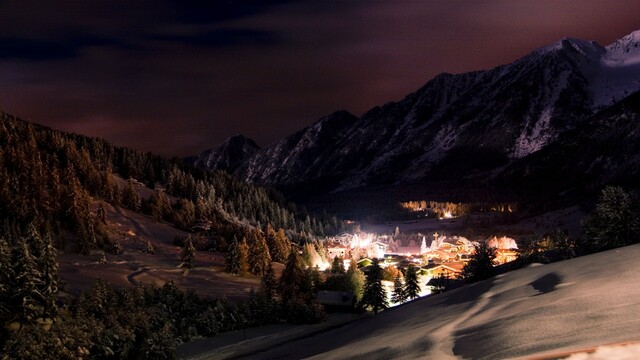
x,y
540,311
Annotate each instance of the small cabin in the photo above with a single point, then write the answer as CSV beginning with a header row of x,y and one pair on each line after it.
x,y
336,299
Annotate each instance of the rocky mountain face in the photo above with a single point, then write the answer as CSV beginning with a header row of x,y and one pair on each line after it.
x,y
454,126
605,150
228,156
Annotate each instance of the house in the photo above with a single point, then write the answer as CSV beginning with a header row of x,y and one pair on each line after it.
x,y
506,255
448,270
380,249
340,251
336,299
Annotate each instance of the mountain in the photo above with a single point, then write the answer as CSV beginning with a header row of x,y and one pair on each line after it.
x,y
228,156
456,125
606,149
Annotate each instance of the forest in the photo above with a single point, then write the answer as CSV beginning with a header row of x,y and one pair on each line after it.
x,y
53,188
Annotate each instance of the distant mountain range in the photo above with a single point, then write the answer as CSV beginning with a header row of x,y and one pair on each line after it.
x,y
544,111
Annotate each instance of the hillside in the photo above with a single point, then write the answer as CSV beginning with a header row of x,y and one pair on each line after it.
x,y
135,265
605,150
455,126
543,309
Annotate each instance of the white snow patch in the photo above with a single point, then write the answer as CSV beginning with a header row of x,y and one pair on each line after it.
x,y
619,72
537,134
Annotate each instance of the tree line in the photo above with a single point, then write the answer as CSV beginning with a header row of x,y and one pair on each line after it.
x,y
52,177
613,222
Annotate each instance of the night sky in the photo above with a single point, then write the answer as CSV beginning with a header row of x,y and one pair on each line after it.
x,y
176,77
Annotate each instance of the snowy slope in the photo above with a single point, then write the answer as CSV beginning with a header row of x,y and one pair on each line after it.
x,y
545,309
455,125
619,72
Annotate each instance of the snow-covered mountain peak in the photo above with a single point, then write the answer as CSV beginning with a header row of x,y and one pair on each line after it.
x,y
453,125
627,44
619,73
625,51
589,49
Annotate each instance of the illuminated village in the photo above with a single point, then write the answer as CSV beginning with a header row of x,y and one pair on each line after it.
x,y
444,257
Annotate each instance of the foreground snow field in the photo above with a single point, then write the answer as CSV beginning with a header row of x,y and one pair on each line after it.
x,y
542,310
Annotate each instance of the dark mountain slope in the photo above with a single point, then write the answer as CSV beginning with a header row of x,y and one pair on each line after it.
x,y
456,125
605,150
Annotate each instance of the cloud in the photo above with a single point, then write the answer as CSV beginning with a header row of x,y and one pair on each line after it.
x,y
177,77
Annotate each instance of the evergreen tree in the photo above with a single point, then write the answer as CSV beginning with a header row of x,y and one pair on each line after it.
x,y
150,249
375,295
313,279
615,221
412,287
102,213
188,256
337,266
232,260
269,284
26,296
160,206
130,197
279,245
6,278
293,279
398,296
243,257
481,264
356,279
310,254
50,280
259,257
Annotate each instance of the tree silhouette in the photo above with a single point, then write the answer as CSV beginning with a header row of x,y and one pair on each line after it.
x,y
375,295
259,257
269,284
50,280
615,221
293,282
411,286
188,255
481,264
130,197
398,296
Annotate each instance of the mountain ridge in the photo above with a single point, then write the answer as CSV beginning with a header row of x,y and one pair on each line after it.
x,y
455,125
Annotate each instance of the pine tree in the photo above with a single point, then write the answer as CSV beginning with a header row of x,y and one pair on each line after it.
x,y
411,286
26,296
293,279
243,257
50,280
150,249
232,260
188,256
102,213
337,266
375,295
356,279
130,197
6,278
269,284
398,296
278,244
615,221
259,257
480,265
